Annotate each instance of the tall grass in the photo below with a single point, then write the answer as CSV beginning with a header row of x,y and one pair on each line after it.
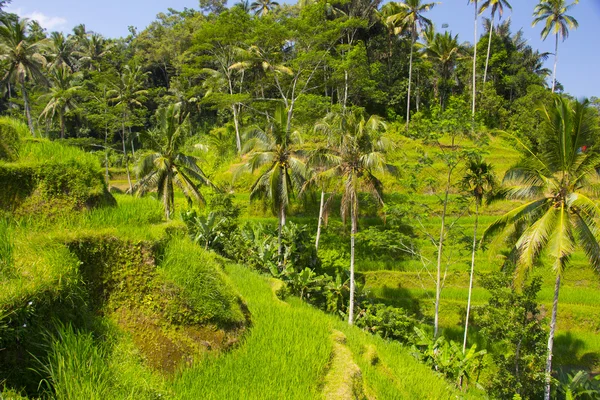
x,y
284,355
77,367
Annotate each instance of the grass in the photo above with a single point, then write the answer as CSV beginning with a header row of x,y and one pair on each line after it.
x,y
287,355
205,285
283,356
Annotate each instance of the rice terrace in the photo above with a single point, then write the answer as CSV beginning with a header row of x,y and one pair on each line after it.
x,y
334,199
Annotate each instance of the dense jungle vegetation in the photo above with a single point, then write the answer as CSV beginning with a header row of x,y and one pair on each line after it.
x,y
331,199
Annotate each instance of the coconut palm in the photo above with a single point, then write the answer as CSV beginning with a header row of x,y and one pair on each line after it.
x,y
444,51
62,96
496,6
553,13
354,153
92,49
263,7
274,151
478,179
167,166
128,93
62,51
410,18
22,56
559,215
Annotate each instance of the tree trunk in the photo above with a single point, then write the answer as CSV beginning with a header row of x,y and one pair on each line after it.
x,y
281,224
320,219
236,124
345,91
438,282
106,155
125,156
555,61
352,238
27,108
551,339
487,59
474,65
166,199
412,45
472,273
132,148
61,116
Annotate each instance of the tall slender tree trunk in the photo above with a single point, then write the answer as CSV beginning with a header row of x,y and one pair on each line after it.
x,y
410,63
352,239
281,224
125,156
474,63
132,148
27,108
106,154
320,219
487,59
236,124
555,62
166,199
551,339
345,91
472,273
438,281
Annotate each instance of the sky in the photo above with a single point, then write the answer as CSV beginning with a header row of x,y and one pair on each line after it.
x,y
578,62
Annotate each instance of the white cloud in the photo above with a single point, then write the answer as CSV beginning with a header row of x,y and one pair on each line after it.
x,y
48,22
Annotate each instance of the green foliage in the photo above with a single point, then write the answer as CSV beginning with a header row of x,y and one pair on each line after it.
x,y
447,358
387,321
513,327
579,385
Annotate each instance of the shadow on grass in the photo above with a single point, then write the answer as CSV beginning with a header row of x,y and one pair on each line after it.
x,y
398,297
569,353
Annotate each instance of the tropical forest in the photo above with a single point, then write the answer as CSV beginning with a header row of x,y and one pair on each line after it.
x,y
334,199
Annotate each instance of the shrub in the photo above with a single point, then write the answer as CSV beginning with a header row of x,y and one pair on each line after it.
x,y
512,325
387,321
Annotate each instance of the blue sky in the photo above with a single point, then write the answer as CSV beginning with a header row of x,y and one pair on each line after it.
x,y
579,57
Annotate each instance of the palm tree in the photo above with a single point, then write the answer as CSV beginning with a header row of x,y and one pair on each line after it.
x,y
559,215
479,178
167,166
411,19
263,7
443,50
554,15
128,93
61,98
23,57
274,151
496,6
92,49
355,152
62,51
244,5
